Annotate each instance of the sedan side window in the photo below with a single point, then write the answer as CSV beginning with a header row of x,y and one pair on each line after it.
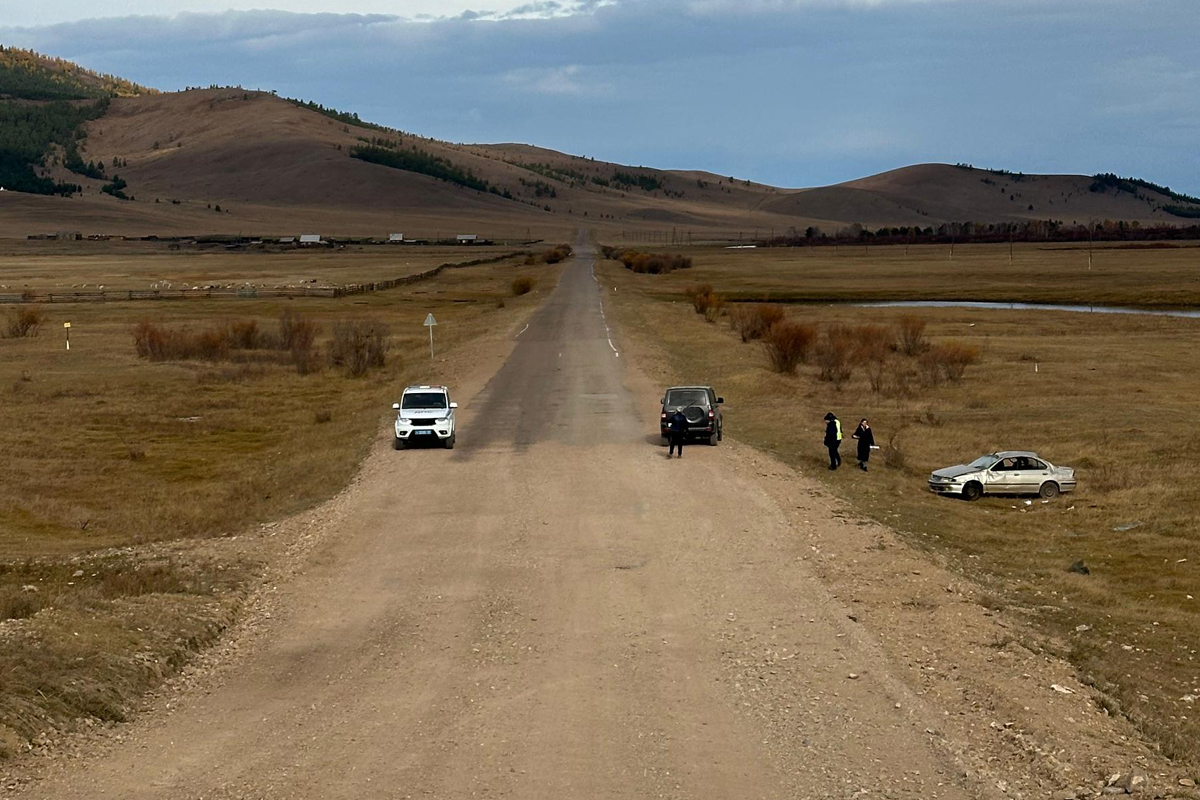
x,y
1006,465
1035,464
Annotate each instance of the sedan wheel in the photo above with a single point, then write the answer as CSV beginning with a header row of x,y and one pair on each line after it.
x,y
1049,489
972,491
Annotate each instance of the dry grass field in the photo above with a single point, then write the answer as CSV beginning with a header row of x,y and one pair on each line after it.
x,y
115,466
53,265
1113,396
1039,273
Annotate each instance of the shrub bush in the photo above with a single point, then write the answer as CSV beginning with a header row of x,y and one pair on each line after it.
x,y
873,345
788,344
949,360
24,322
522,285
713,303
753,322
706,301
834,354
358,346
696,292
910,330
654,263
560,253
296,337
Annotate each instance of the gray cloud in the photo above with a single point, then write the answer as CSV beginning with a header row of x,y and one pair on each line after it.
x,y
792,92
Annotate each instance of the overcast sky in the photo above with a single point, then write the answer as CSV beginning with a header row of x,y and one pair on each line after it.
x,y
789,92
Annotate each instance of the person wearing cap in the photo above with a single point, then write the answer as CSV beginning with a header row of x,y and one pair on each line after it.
x,y
833,439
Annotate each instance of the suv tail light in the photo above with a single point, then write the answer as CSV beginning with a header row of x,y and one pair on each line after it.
x,y
711,413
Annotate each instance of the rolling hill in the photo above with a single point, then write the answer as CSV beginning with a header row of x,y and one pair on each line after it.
x,y
229,160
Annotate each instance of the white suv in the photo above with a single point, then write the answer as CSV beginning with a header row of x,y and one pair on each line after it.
x,y
424,413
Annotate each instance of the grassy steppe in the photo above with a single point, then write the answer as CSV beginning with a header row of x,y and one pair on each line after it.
x,y
1039,273
124,481
49,265
1113,396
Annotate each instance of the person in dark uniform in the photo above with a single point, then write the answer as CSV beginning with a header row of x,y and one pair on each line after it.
x,y
866,441
833,439
677,424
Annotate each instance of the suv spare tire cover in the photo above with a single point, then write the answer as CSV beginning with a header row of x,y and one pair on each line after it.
x,y
694,414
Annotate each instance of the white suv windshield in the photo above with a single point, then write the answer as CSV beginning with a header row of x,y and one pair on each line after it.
x,y
423,400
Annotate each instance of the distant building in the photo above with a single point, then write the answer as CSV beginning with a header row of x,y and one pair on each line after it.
x,y
467,238
288,240
68,236
395,237
310,238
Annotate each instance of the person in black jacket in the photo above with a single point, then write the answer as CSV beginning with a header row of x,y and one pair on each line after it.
x,y
866,441
833,439
677,424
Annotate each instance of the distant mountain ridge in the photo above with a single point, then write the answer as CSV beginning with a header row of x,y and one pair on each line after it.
x,y
137,160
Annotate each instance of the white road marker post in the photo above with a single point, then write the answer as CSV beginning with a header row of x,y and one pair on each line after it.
x,y
67,327
429,323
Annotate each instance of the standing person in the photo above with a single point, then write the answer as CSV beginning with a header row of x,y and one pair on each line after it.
x,y
866,443
833,439
677,424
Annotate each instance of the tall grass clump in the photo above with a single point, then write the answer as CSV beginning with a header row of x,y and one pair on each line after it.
x,y
358,346
23,322
522,284
788,344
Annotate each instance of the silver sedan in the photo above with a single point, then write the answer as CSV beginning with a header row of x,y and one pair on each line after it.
x,y
1005,472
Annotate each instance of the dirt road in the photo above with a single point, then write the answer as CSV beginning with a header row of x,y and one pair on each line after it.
x,y
551,610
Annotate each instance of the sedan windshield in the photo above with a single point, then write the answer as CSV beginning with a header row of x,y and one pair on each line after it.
x,y
687,397
983,462
424,400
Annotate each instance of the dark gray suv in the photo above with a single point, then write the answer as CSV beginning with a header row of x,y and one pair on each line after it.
x,y
702,408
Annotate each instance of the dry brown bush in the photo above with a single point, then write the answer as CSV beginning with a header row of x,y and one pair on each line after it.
x,y
949,359
358,346
522,285
873,345
24,322
696,292
753,322
834,353
788,344
560,253
713,304
298,336
244,334
654,263
910,329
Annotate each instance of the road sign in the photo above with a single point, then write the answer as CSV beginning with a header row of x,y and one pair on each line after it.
x,y
429,323
67,326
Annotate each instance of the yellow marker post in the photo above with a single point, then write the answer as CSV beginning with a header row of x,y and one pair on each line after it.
x,y
67,325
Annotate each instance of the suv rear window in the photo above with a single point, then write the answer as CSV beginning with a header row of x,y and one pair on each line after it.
x,y
419,400
687,397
